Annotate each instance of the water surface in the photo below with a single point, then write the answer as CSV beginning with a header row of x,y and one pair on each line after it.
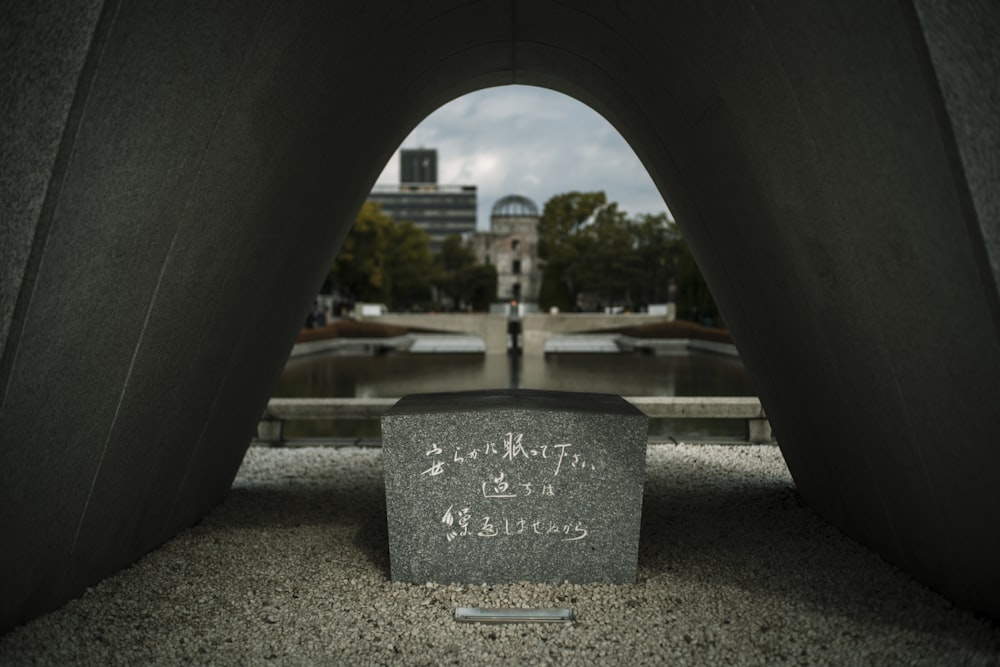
x,y
395,375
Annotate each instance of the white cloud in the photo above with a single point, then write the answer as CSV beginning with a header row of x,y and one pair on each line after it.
x,y
530,141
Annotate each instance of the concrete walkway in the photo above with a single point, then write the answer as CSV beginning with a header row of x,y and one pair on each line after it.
x,y
292,570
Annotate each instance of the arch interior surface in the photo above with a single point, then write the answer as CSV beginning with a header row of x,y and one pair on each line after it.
x,y
177,178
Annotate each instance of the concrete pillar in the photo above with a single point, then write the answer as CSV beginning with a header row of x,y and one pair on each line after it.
x,y
269,431
759,431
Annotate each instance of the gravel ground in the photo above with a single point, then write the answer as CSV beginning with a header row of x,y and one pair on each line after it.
x,y
293,568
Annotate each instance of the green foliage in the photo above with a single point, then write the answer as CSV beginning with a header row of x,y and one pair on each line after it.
x,y
482,280
694,300
460,279
553,292
595,252
359,270
658,244
383,261
564,242
410,265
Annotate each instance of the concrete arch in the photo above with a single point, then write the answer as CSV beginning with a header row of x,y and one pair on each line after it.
x,y
177,177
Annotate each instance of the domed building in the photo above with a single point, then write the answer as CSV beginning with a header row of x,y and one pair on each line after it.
x,y
511,246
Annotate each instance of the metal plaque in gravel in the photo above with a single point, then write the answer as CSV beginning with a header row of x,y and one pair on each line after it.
x,y
514,485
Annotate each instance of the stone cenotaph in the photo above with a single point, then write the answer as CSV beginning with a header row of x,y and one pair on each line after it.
x,y
512,485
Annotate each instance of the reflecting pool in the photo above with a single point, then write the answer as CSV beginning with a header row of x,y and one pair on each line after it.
x,y
395,375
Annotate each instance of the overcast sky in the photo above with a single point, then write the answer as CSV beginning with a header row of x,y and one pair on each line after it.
x,y
532,142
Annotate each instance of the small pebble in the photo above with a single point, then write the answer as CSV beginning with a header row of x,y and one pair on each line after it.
x,y
292,568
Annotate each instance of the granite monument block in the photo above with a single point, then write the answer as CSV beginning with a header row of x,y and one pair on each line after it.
x,y
514,485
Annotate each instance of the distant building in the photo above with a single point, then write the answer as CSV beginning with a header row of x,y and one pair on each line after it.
x,y
418,165
511,246
440,210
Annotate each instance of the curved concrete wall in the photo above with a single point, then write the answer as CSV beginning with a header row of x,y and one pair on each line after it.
x,y
818,157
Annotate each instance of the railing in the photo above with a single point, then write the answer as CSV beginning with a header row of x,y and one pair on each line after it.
x,y
270,431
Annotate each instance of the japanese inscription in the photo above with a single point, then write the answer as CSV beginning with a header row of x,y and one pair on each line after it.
x,y
545,463
513,493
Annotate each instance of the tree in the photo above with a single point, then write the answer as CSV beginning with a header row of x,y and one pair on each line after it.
x,y
460,279
591,248
383,261
359,269
554,291
609,257
658,243
482,282
409,266
694,300
565,245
